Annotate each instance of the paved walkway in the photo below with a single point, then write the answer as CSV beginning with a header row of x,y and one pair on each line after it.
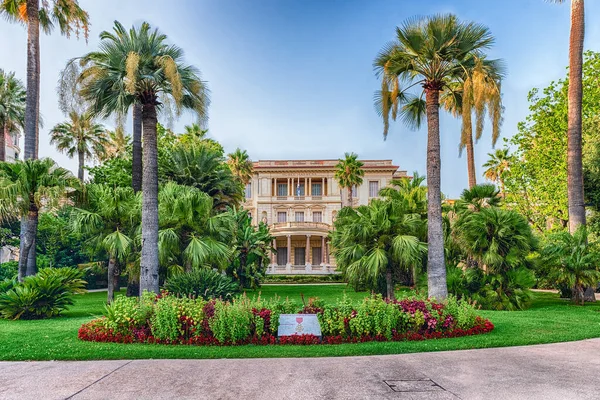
x,y
555,371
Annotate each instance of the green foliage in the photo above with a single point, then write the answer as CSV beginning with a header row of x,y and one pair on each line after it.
x,y
232,320
43,295
165,319
375,317
8,270
113,172
462,311
127,312
203,283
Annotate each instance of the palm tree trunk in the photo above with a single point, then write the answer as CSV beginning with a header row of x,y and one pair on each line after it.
x,y
574,157
3,141
80,170
28,239
350,196
137,148
149,258
33,79
436,268
111,279
471,162
389,284
32,258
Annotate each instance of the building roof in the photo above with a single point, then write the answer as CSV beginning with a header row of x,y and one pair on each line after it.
x,y
296,165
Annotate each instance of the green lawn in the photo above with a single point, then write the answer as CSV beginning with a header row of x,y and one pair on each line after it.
x,y
549,320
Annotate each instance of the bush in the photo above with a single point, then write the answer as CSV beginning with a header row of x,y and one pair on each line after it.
x,y
331,278
170,319
204,283
9,270
43,295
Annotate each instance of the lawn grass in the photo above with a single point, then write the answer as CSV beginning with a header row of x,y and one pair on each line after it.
x,y
549,320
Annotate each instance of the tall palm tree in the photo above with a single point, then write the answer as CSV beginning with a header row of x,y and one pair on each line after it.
x,y
12,108
26,187
241,165
80,136
70,18
575,99
108,220
432,53
497,166
151,70
349,173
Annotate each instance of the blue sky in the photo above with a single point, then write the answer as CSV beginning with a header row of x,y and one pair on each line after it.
x,y
294,79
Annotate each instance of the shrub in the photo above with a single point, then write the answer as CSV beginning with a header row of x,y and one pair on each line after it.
x,y
43,295
7,284
9,270
243,320
204,283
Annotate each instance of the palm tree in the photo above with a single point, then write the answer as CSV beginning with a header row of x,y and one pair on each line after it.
x,y
151,70
374,241
408,192
497,166
118,143
241,165
432,53
108,220
80,136
26,187
478,197
12,108
574,261
349,173
70,18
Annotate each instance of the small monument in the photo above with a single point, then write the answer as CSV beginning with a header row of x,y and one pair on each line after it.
x,y
299,324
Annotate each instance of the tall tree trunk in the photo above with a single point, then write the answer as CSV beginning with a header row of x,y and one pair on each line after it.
x,y
149,259
574,157
32,258
3,141
436,266
389,283
350,196
28,238
111,279
471,162
33,79
136,175
80,170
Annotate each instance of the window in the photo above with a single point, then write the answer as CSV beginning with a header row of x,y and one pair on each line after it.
x,y
354,191
299,256
373,188
317,255
299,190
299,216
316,189
282,253
282,189
317,216
248,193
281,216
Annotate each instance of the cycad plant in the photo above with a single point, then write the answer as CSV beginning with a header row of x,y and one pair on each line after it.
x,y
108,220
25,188
573,260
117,76
373,242
431,54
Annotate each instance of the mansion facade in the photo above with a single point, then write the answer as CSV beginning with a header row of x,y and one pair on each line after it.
x,y
299,201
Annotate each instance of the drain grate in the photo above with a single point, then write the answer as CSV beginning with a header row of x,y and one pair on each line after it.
x,y
414,385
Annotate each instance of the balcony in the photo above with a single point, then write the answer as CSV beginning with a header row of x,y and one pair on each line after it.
x,y
297,227
304,198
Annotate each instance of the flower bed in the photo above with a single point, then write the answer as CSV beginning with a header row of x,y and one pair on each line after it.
x,y
167,319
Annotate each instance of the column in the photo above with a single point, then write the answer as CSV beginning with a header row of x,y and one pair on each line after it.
x,y
309,193
274,252
323,250
326,252
307,254
289,249
289,188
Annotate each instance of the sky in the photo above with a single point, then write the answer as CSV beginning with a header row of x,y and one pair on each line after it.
x,y
293,79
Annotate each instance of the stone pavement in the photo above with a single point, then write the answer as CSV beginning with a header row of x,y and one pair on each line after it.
x,y
555,371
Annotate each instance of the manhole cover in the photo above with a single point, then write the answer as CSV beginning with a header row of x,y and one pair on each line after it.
x,y
414,385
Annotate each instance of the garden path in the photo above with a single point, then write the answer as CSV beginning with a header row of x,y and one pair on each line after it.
x,y
554,371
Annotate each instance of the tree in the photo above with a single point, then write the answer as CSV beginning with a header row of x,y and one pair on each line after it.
x,y
479,197
12,108
26,187
108,220
373,242
573,261
70,18
154,71
574,128
241,166
349,173
118,144
434,53
497,165
409,193
80,136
